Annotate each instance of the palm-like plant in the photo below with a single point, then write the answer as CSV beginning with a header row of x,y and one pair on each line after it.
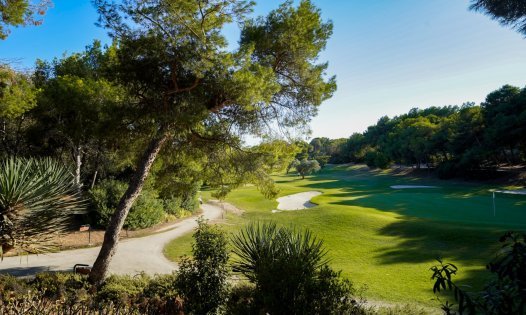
x,y
264,245
37,199
283,263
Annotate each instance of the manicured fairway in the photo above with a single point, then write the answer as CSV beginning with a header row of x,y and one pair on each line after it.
x,y
388,239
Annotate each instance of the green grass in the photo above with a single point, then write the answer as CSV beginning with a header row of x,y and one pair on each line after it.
x,y
388,239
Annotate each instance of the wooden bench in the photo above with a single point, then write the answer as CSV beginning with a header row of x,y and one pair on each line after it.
x,y
82,269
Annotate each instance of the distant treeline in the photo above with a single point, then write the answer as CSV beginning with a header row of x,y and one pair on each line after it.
x,y
454,139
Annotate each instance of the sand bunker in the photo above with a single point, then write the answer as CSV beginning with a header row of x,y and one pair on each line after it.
x,y
297,201
411,186
511,192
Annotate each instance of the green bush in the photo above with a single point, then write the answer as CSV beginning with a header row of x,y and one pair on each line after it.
x,y
377,159
241,299
121,289
58,285
161,286
202,281
397,310
147,210
67,293
178,194
328,293
173,206
189,198
290,272
12,286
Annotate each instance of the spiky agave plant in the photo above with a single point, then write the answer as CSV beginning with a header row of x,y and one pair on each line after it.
x,y
265,247
37,199
282,263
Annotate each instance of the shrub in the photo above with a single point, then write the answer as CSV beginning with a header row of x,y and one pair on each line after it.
x,y
63,293
172,206
504,294
36,304
121,289
160,295
11,286
328,293
179,195
376,159
241,299
397,310
147,210
290,272
58,285
202,281
189,198
161,286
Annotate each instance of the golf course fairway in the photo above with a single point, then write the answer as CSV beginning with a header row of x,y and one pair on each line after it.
x,y
387,239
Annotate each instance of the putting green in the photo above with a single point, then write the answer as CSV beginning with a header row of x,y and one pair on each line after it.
x,y
385,238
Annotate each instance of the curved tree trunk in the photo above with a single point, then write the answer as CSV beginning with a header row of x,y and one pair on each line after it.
x,y
111,237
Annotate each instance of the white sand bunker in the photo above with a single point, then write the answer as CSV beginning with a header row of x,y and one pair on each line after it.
x,y
511,192
411,186
297,201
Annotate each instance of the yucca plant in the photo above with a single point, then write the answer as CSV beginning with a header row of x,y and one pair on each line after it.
x,y
283,263
37,199
262,245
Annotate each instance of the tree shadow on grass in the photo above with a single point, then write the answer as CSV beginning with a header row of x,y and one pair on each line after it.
x,y
424,240
421,241
454,222
467,205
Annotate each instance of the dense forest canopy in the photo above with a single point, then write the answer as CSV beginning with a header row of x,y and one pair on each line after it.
x,y
455,139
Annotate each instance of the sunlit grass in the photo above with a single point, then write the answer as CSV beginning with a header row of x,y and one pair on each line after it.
x,y
388,239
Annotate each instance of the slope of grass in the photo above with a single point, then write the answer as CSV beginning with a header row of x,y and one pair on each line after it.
x,y
388,239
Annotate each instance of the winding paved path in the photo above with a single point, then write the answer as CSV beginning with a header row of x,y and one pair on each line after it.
x,y
133,255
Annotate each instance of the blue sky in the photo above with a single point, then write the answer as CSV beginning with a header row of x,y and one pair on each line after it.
x,y
388,56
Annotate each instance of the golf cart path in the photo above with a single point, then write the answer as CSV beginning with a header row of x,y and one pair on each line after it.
x,y
143,254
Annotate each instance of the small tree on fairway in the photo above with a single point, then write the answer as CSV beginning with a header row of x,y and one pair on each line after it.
x,y
307,167
189,90
293,165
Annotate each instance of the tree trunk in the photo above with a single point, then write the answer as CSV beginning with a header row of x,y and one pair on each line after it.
x,y
94,179
78,163
111,237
